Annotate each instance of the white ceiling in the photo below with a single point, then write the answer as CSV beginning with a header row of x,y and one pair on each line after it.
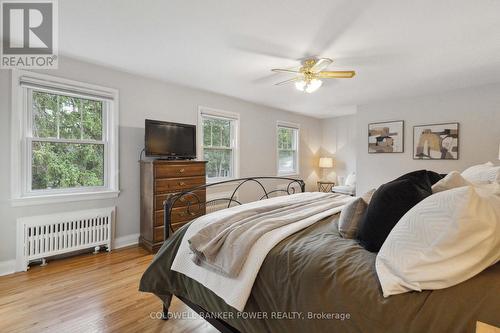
x,y
398,48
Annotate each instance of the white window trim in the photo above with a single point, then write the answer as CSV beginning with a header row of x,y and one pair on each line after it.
x,y
295,126
224,114
19,151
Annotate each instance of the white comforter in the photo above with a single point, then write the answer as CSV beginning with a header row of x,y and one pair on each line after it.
x,y
235,291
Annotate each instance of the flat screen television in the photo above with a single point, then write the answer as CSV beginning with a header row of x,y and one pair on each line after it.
x,y
170,140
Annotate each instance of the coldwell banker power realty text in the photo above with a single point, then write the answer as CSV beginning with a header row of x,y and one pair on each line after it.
x,y
29,34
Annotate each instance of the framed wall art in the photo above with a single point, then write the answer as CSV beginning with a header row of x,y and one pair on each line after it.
x,y
436,142
386,137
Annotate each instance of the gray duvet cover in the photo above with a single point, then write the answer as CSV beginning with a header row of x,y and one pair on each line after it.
x,y
317,281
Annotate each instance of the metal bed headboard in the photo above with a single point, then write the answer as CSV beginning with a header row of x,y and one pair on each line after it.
x,y
195,205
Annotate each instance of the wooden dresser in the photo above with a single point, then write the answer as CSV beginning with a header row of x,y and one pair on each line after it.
x,y
159,179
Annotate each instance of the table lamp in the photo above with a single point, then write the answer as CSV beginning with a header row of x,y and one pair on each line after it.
x,y
325,163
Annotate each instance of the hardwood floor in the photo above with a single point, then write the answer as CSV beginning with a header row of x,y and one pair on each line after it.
x,y
89,293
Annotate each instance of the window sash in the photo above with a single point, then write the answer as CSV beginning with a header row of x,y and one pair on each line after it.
x,y
29,138
217,148
231,147
231,163
293,149
231,132
294,163
30,114
29,171
75,141
294,135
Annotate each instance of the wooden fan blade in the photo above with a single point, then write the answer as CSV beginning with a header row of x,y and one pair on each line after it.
x,y
336,74
287,81
279,70
321,64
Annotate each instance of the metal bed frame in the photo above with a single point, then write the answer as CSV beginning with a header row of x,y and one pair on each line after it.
x,y
195,206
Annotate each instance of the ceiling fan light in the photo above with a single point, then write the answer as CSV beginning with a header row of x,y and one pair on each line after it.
x,y
300,85
313,85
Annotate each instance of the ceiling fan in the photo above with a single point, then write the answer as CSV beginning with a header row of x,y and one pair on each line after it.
x,y
308,76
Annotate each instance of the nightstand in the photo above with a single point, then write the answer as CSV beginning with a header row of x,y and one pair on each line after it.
x,y
325,185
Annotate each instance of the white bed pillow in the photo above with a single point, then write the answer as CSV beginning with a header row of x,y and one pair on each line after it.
x,y
452,180
351,180
481,173
445,239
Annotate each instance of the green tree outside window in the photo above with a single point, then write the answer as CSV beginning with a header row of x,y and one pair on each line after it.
x,y
217,148
67,145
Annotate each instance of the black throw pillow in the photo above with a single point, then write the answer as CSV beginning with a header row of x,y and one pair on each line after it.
x,y
423,178
434,177
389,203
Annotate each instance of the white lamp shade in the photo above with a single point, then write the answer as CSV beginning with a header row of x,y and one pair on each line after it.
x,y
308,86
300,85
313,85
326,162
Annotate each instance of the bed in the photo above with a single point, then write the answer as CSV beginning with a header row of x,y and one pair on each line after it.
x,y
316,280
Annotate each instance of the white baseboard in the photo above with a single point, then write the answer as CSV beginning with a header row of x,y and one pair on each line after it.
x,y
7,267
127,240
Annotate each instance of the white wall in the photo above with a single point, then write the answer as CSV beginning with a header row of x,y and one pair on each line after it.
x,y
345,138
476,109
339,136
142,98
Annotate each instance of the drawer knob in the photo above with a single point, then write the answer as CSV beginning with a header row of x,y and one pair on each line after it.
x,y
182,184
182,170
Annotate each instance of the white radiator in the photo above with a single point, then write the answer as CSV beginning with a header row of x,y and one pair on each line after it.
x,y
39,237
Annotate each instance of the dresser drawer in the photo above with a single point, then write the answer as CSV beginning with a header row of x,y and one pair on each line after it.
x,y
184,201
179,170
158,231
179,214
177,184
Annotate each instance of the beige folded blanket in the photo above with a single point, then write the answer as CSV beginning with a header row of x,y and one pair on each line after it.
x,y
223,246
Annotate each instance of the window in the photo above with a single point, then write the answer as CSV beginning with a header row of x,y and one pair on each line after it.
x,y
67,145
219,143
288,149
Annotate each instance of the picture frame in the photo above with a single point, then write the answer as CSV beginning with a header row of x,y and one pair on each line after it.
x,y
386,137
436,141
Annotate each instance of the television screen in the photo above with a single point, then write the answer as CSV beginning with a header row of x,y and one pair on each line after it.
x,y
170,139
